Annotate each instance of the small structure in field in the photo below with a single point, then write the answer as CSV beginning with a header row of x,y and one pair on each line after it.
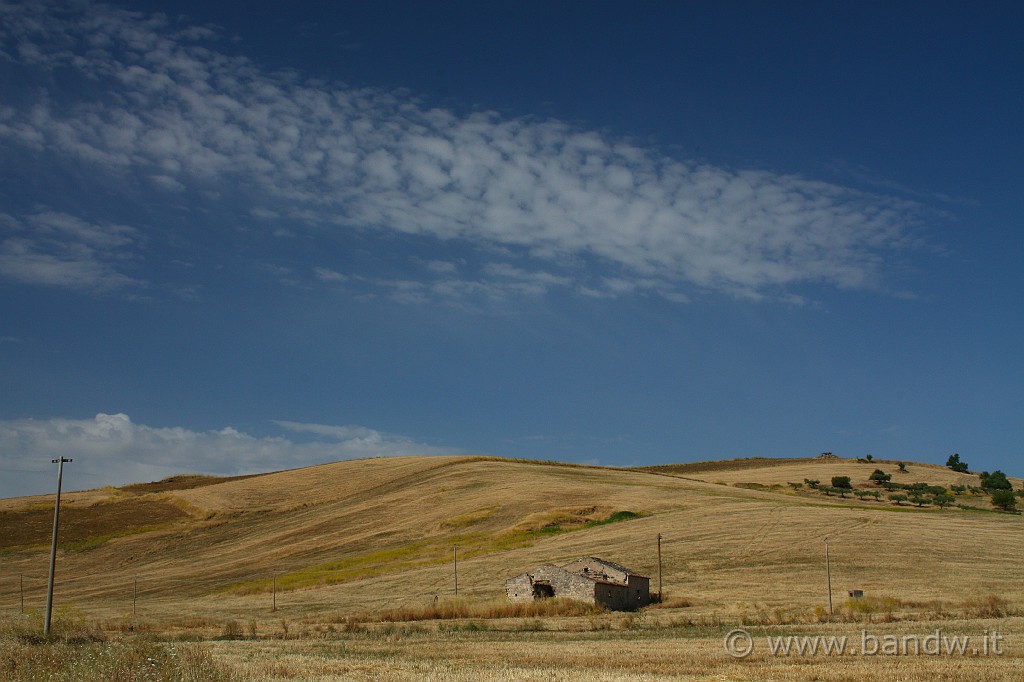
x,y
588,579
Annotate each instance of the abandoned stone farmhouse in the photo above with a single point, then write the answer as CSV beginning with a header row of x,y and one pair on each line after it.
x,y
587,579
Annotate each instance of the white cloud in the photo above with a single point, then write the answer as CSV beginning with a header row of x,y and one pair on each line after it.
x,y
58,249
328,275
111,449
360,441
442,267
167,182
338,158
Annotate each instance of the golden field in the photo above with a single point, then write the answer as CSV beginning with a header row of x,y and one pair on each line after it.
x,y
357,557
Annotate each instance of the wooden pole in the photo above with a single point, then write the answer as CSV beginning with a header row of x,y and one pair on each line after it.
x,y
828,574
53,547
659,569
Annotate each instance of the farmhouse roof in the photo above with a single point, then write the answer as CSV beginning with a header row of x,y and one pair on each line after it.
x,y
610,564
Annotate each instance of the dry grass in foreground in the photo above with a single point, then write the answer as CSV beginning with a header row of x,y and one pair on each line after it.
x,y
466,609
606,647
634,653
77,652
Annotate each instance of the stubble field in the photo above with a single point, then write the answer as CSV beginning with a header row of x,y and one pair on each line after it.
x,y
345,572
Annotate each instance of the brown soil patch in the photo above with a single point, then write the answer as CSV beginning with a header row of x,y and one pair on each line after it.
x,y
724,465
184,482
105,519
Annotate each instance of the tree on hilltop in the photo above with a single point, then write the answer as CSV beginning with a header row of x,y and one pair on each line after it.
x,y
955,464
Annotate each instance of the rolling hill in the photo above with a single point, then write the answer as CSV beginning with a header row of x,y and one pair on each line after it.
x,y
360,536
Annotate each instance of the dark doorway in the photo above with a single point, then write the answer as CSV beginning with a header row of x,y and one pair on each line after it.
x,y
543,591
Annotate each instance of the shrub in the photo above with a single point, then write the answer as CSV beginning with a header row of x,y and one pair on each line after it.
x,y
796,486
902,466
925,489
898,498
232,630
990,606
879,477
1004,499
958,489
995,481
842,482
812,483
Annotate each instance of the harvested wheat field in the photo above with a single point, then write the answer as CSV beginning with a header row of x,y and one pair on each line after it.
x,y
345,572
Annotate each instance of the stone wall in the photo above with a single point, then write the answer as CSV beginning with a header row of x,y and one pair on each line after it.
x,y
588,580
562,583
639,587
519,588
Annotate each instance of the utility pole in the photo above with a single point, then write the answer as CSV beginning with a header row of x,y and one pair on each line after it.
x,y
828,574
659,568
53,546
455,549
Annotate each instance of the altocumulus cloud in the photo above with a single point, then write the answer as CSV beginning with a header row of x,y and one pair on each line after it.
x,y
158,101
111,449
48,247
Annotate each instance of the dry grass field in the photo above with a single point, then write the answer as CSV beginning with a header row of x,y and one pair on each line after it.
x,y
356,557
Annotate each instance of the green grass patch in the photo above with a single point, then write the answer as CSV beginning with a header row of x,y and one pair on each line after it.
x,y
470,519
615,518
423,552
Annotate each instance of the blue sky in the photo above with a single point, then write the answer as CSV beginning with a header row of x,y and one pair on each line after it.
x,y
586,231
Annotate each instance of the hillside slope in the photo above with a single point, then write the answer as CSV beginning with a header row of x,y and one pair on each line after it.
x,y
358,536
